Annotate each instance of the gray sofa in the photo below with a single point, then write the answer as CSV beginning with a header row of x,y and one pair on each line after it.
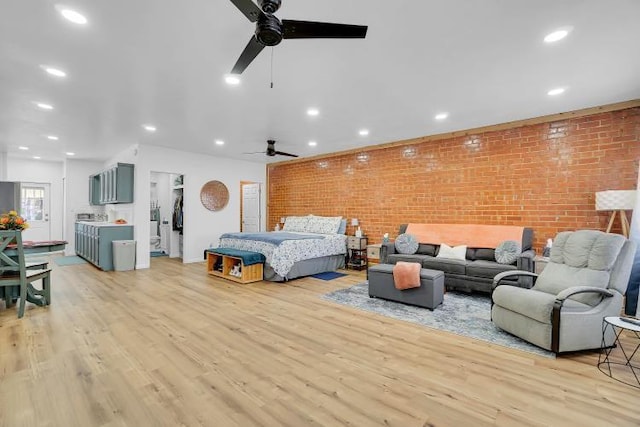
x,y
477,271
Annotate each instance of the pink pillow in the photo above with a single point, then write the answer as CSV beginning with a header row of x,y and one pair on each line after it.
x,y
406,275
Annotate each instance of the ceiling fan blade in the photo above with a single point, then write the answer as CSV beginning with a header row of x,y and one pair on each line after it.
x,y
254,47
249,8
321,30
254,152
285,154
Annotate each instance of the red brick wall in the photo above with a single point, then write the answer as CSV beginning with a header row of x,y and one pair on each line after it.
x,y
542,176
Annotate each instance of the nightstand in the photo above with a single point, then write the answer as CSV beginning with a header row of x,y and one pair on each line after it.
x,y
373,253
357,252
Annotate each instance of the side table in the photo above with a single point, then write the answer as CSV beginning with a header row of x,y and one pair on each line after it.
x,y
373,254
617,325
357,252
540,262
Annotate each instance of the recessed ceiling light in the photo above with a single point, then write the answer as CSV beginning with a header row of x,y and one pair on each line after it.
x,y
556,91
149,128
72,15
70,153
23,148
232,79
556,35
363,132
52,137
54,71
441,116
312,143
313,112
44,106
219,142
36,157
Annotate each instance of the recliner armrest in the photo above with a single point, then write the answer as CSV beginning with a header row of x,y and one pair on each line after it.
x,y
386,249
563,295
513,273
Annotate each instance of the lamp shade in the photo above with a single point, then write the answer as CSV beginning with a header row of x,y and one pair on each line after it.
x,y
615,200
355,222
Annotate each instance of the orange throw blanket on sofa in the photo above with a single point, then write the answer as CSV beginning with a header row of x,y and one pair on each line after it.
x,y
472,235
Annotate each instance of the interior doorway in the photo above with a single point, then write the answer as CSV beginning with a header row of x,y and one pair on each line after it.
x,y
250,213
164,239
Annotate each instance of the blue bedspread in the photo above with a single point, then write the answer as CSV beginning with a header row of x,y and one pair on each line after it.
x,y
274,238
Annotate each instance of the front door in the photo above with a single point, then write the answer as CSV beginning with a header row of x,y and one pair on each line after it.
x,y
34,207
250,208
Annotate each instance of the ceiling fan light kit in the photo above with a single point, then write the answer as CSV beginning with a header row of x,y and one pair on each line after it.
x,y
270,30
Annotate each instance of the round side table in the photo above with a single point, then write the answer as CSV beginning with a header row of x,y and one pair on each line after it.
x,y
618,325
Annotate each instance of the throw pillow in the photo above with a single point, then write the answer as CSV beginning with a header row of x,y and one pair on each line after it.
x,y
406,244
507,252
296,223
406,275
322,224
456,252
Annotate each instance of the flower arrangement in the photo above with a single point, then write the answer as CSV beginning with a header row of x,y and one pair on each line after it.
x,y
12,221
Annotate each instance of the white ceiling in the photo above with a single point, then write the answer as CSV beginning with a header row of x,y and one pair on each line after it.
x,y
163,62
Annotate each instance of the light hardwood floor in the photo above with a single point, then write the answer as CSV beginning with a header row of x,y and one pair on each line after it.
x,y
172,346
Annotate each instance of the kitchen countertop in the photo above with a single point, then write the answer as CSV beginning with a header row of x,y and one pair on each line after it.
x,y
102,223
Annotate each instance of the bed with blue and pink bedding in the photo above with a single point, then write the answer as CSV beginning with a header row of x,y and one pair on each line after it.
x,y
306,245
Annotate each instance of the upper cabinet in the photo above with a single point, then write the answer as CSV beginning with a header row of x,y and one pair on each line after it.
x,y
114,185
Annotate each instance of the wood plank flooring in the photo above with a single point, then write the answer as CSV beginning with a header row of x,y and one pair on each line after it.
x,y
172,346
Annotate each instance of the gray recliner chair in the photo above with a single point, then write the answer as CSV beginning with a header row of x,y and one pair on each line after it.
x,y
584,282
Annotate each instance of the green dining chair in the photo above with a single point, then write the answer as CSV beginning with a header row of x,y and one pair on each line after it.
x,y
16,274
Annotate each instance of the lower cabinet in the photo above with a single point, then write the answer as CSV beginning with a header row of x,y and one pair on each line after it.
x,y
94,242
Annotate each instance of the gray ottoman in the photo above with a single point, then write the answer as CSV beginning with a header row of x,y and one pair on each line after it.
x,y
429,295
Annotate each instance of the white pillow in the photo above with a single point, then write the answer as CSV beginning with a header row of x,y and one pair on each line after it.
x,y
457,252
296,223
323,224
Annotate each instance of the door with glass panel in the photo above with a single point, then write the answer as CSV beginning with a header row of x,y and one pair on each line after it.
x,y
34,207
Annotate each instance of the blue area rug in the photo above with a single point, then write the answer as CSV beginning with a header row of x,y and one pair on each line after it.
x,y
328,275
69,260
462,314
157,254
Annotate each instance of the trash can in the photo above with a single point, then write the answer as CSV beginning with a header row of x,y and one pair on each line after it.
x,y
124,255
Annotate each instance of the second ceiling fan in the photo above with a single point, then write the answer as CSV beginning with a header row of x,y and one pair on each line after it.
x,y
270,30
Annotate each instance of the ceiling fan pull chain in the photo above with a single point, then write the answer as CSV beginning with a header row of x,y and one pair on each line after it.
x,y
272,49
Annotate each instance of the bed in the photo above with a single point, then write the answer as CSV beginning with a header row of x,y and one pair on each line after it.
x,y
306,245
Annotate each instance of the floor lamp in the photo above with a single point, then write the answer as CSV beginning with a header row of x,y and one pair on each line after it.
x,y
616,201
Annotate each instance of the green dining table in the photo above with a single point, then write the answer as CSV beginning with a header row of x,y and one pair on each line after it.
x,y
31,247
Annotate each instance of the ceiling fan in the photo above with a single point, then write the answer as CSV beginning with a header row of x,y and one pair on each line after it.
x,y
270,30
271,150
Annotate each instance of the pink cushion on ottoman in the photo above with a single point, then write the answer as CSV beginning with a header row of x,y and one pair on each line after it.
x,y
406,275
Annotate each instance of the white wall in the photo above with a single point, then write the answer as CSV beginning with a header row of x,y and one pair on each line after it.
x,y
77,174
201,226
3,166
40,171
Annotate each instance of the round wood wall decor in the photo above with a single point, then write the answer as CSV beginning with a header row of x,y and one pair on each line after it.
x,y
214,195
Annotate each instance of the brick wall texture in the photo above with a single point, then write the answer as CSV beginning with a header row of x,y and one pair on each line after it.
x,y
542,176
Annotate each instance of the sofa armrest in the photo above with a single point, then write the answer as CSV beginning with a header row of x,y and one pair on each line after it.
x,y
386,249
510,274
525,261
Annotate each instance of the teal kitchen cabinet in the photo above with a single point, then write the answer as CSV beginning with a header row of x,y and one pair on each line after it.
x,y
114,185
94,241
94,189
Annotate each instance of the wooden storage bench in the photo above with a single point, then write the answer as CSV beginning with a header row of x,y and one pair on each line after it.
x,y
220,262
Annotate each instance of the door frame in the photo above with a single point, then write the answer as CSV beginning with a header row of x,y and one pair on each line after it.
x,y
46,208
242,183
